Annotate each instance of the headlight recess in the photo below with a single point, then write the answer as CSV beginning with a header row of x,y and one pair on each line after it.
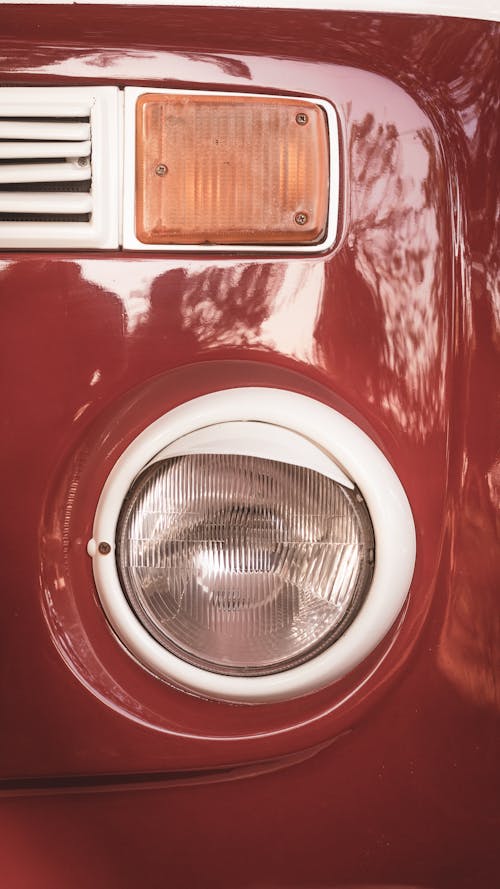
x,y
252,545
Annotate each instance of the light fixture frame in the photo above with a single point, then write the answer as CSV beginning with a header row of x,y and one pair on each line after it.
x,y
131,241
362,461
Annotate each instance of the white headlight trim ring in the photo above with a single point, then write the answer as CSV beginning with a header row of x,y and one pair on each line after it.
x,y
358,457
264,440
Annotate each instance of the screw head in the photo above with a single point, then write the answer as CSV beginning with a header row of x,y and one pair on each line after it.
x,y
83,161
301,118
301,218
104,548
161,169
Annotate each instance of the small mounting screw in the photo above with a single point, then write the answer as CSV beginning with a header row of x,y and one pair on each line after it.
x,y
301,218
104,549
83,161
301,118
161,169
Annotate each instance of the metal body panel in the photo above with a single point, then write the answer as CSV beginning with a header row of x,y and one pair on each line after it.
x,y
387,776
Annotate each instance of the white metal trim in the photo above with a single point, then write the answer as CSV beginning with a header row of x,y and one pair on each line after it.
x,y
12,150
131,242
45,202
67,171
264,440
46,109
359,458
18,129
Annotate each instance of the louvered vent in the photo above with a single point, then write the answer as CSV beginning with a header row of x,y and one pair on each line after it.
x,y
59,167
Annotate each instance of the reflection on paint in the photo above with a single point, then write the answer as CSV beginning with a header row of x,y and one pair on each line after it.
x,y
130,282
270,305
469,649
292,324
395,242
134,64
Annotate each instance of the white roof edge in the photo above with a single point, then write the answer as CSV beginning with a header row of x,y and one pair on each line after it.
x,y
487,10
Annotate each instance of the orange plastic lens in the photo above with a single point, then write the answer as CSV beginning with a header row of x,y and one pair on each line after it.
x,y
230,170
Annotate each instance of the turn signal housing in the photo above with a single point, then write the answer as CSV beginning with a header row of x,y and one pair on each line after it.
x,y
230,169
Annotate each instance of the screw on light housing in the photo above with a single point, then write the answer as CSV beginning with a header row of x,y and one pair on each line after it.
x,y
232,144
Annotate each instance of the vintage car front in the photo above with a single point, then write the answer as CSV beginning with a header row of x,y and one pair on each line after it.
x,y
250,469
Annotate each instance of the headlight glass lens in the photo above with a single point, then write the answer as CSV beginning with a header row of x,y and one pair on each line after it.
x,y
242,565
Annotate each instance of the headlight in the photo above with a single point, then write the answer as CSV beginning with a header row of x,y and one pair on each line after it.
x,y
252,545
242,565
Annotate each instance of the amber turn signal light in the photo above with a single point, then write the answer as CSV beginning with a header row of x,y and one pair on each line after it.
x,y
230,170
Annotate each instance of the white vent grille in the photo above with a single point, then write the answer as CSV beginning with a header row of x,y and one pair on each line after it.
x,y
59,167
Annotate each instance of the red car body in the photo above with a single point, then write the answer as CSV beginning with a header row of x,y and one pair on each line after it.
x,y
110,777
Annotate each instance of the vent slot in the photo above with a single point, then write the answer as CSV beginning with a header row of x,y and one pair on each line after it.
x,y
59,167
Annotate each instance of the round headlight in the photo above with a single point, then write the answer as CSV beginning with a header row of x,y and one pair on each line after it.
x,y
252,545
242,565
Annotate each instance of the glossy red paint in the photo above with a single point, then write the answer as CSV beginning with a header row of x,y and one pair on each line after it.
x,y
388,775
